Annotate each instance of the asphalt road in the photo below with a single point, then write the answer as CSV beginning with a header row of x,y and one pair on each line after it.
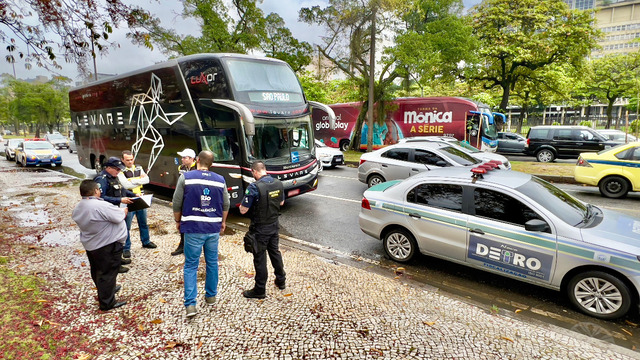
x,y
328,219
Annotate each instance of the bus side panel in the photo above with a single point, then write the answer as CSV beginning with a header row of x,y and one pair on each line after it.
x,y
346,117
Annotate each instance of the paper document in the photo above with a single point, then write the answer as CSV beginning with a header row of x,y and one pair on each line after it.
x,y
140,202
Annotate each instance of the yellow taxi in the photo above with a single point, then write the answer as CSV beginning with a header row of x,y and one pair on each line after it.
x,y
35,152
615,171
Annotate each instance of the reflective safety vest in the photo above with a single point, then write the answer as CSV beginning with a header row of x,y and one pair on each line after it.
x,y
183,169
134,174
202,203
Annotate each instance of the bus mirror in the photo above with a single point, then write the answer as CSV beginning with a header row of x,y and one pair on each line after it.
x,y
245,114
328,110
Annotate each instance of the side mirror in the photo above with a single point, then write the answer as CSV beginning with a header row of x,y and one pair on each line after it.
x,y
536,225
442,163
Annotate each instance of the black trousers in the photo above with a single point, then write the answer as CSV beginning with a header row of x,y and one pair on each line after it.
x,y
105,263
268,242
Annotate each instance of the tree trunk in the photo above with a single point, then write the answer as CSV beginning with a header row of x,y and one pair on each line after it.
x,y
609,113
357,129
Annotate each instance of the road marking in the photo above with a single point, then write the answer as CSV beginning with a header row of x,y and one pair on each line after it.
x,y
336,198
338,177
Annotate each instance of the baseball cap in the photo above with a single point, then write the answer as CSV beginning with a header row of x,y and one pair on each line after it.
x,y
187,152
114,162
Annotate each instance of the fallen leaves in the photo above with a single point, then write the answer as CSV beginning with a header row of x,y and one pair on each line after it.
x,y
162,300
156,321
506,338
172,344
430,323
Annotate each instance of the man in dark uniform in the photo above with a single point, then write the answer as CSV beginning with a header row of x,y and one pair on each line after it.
x,y
112,190
264,197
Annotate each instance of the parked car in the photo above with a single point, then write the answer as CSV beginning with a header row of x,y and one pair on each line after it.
x,y
547,143
37,152
463,146
617,136
58,140
402,160
10,148
328,156
615,171
515,225
511,143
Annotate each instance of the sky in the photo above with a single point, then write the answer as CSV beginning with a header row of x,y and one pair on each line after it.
x,y
129,57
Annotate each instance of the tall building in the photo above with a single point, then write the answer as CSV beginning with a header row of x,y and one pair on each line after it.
x,y
619,22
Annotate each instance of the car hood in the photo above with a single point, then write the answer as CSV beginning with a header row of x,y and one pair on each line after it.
x,y
616,231
328,150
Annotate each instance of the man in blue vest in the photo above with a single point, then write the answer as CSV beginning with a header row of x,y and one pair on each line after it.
x,y
200,208
264,197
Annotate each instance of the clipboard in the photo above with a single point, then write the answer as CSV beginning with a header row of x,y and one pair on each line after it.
x,y
140,202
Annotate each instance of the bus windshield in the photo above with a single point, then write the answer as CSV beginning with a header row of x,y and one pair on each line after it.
x,y
281,141
265,81
489,130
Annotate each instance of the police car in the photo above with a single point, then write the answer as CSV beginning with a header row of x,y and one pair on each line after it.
x,y
513,224
33,152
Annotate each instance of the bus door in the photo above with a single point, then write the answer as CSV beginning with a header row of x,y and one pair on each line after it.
x,y
223,143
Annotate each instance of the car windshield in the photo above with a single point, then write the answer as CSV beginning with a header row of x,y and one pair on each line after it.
x,y
57,137
14,142
556,201
37,145
459,156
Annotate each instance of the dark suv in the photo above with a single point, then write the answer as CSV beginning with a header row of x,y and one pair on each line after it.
x,y
547,143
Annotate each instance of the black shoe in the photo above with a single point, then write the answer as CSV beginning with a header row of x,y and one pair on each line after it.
x,y
281,285
123,269
115,305
150,245
118,287
177,251
125,261
126,254
253,294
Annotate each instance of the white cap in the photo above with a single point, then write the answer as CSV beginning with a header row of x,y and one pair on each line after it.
x,y
188,153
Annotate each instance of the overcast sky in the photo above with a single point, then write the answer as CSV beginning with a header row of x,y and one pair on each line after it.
x,y
130,57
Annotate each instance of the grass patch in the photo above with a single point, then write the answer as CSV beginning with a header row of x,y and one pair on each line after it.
x,y
560,169
352,156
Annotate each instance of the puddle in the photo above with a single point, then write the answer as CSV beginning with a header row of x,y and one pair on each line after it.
x,y
54,238
35,218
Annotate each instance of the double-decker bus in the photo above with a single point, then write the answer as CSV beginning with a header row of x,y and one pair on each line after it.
x,y
242,108
461,118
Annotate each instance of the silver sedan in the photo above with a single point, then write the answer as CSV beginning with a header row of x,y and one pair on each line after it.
x,y
513,224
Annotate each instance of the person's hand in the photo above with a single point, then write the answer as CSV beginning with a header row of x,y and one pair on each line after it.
x,y
126,200
178,225
224,226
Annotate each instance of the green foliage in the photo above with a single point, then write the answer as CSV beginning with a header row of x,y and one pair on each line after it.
x,y
520,39
586,123
555,123
634,127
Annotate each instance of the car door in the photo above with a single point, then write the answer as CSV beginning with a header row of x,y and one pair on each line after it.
x,y
588,141
437,220
632,171
511,143
498,240
423,160
395,163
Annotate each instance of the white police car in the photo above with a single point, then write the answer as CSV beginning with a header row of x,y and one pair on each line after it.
x,y
513,224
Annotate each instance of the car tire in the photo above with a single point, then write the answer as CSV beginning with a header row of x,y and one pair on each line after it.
x,y
614,187
344,145
375,179
545,155
400,245
599,294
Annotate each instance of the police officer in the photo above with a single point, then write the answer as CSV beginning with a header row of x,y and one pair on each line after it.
x,y
188,164
264,197
112,190
132,177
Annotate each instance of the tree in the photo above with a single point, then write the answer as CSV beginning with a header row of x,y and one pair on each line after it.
x,y
77,31
519,38
248,30
612,77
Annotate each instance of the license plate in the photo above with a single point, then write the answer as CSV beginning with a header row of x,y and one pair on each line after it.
x,y
293,192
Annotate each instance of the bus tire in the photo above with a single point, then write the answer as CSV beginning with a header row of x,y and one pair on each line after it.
x,y
344,145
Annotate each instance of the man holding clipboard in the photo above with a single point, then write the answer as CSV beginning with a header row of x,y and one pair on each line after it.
x,y
132,178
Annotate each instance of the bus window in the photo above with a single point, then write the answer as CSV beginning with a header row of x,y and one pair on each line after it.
x,y
222,143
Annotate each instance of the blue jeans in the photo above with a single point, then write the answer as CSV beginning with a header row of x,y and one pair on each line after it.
x,y
193,245
141,215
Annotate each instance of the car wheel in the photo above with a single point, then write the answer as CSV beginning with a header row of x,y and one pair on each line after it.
x,y
614,187
545,155
375,179
599,294
344,145
400,245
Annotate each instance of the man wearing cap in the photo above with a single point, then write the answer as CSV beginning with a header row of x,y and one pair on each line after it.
x,y
112,191
132,178
188,164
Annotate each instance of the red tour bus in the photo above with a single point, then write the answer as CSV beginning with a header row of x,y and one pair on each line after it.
x,y
461,118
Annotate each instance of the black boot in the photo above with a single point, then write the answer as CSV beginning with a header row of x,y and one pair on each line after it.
x,y
180,249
